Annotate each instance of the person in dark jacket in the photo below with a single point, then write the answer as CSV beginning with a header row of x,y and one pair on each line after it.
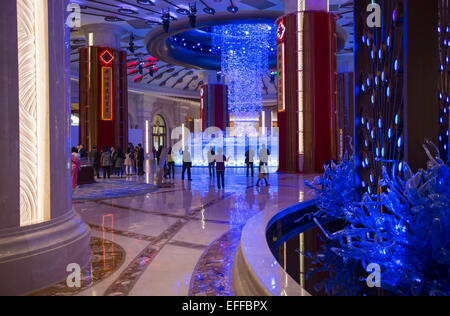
x,y
158,155
106,162
113,158
119,164
220,161
94,159
82,152
249,161
140,160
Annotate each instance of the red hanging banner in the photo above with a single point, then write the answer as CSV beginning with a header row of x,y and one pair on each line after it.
x,y
107,94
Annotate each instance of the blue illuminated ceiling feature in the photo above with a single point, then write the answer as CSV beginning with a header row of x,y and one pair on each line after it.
x,y
200,40
244,50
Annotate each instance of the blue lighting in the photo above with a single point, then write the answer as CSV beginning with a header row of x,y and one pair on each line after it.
x,y
245,60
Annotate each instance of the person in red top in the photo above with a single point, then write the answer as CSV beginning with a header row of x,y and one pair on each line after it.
x,y
220,160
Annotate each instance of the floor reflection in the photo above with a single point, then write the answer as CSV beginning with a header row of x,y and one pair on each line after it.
x,y
170,234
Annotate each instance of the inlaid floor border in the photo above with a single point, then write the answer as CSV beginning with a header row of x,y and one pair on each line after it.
x,y
124,284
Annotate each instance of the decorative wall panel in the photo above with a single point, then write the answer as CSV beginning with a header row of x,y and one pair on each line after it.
x,y
27,112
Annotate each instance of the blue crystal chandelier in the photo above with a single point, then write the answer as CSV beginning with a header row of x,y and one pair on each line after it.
x,y
245,50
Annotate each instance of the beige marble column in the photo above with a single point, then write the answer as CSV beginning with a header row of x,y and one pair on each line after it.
x,y
40,235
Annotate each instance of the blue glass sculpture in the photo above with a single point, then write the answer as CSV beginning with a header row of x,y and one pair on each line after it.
x,y
405,229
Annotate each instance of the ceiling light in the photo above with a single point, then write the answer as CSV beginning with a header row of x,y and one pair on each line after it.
x,y
112,19
183,11
209,11
127,11
232,8
145,2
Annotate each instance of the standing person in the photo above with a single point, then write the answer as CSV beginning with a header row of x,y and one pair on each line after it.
x,y
129,162
220,160
170,164
187,164
249,161
93,160
82,152
113,158
106,162
76,163
140,160
118,165
135,164
211,163
158,155
263,165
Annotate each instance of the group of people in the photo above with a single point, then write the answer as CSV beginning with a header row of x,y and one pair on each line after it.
x,y
115,162
216,165
111,160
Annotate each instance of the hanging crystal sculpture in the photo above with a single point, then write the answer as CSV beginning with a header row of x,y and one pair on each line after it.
x,y
245,61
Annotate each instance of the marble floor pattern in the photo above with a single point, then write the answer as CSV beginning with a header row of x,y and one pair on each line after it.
x,y
182,240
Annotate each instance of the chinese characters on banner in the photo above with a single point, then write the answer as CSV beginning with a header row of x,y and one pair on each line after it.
x,y
281,32
280,62
107,94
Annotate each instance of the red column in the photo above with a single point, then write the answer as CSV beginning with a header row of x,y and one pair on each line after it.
x,y
307,90
214,106
103,98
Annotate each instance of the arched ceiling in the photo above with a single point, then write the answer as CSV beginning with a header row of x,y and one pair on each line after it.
x,y
138,18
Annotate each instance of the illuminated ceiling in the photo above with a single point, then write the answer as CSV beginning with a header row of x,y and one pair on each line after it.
x,y
140,18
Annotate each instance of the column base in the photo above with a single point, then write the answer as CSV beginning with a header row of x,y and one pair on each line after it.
x,y
37,256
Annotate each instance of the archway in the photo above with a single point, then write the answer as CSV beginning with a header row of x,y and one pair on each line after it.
x,y
159,132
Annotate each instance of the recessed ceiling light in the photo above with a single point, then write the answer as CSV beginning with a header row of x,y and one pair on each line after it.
x,y
149,22
233,9
145,2
127,11
183,11
112,19
209,11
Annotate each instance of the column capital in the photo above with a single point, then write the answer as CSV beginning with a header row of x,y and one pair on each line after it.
x,y
292,6
103,35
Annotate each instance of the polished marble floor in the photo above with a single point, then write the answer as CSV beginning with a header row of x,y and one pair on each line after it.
x,y
182,240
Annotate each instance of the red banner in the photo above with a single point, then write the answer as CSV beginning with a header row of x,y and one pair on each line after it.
x,y
107,94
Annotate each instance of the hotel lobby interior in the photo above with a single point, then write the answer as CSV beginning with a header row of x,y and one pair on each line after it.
x,y
224,148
